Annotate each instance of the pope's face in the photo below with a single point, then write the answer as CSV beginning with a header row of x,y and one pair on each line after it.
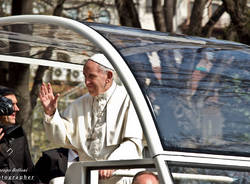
x,y
95,79
11,119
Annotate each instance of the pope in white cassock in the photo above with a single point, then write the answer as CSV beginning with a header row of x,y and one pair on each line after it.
x,y
101,125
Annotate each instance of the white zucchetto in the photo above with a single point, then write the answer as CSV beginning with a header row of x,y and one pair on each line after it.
x,y
101,60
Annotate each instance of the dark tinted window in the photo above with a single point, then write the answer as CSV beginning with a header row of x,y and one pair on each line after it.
x,y
198,89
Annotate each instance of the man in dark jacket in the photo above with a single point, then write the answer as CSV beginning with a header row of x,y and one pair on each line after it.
x,y
53,163
15,158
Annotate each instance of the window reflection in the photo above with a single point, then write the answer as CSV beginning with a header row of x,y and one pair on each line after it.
x,y
194,93
199,92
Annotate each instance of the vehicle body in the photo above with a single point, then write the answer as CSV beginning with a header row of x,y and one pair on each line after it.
x,y
191,94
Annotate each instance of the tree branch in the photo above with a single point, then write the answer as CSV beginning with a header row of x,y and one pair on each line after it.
x,y
127,13
196,17
158,15
239,18
99,3
207,29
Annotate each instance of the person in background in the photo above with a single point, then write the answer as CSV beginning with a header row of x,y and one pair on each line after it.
x,y
53,163
15,159
101,125
145,177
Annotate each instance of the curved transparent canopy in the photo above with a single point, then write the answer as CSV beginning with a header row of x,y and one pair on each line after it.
x,y
43,41
197,89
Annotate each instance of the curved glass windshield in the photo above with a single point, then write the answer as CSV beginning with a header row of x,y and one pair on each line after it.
x,y
198,88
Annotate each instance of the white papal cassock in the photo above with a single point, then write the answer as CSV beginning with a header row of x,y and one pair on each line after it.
x,y
105,127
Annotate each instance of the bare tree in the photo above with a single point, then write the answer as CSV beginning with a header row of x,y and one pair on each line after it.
x,y
19,74
240,18
196,17
208,28
127,13
20,80
158,14
169,8
41,69
163,17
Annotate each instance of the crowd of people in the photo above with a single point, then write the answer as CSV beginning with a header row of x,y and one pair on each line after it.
x,y
100,125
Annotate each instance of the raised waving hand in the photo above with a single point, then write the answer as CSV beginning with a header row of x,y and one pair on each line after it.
x,y
48,99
